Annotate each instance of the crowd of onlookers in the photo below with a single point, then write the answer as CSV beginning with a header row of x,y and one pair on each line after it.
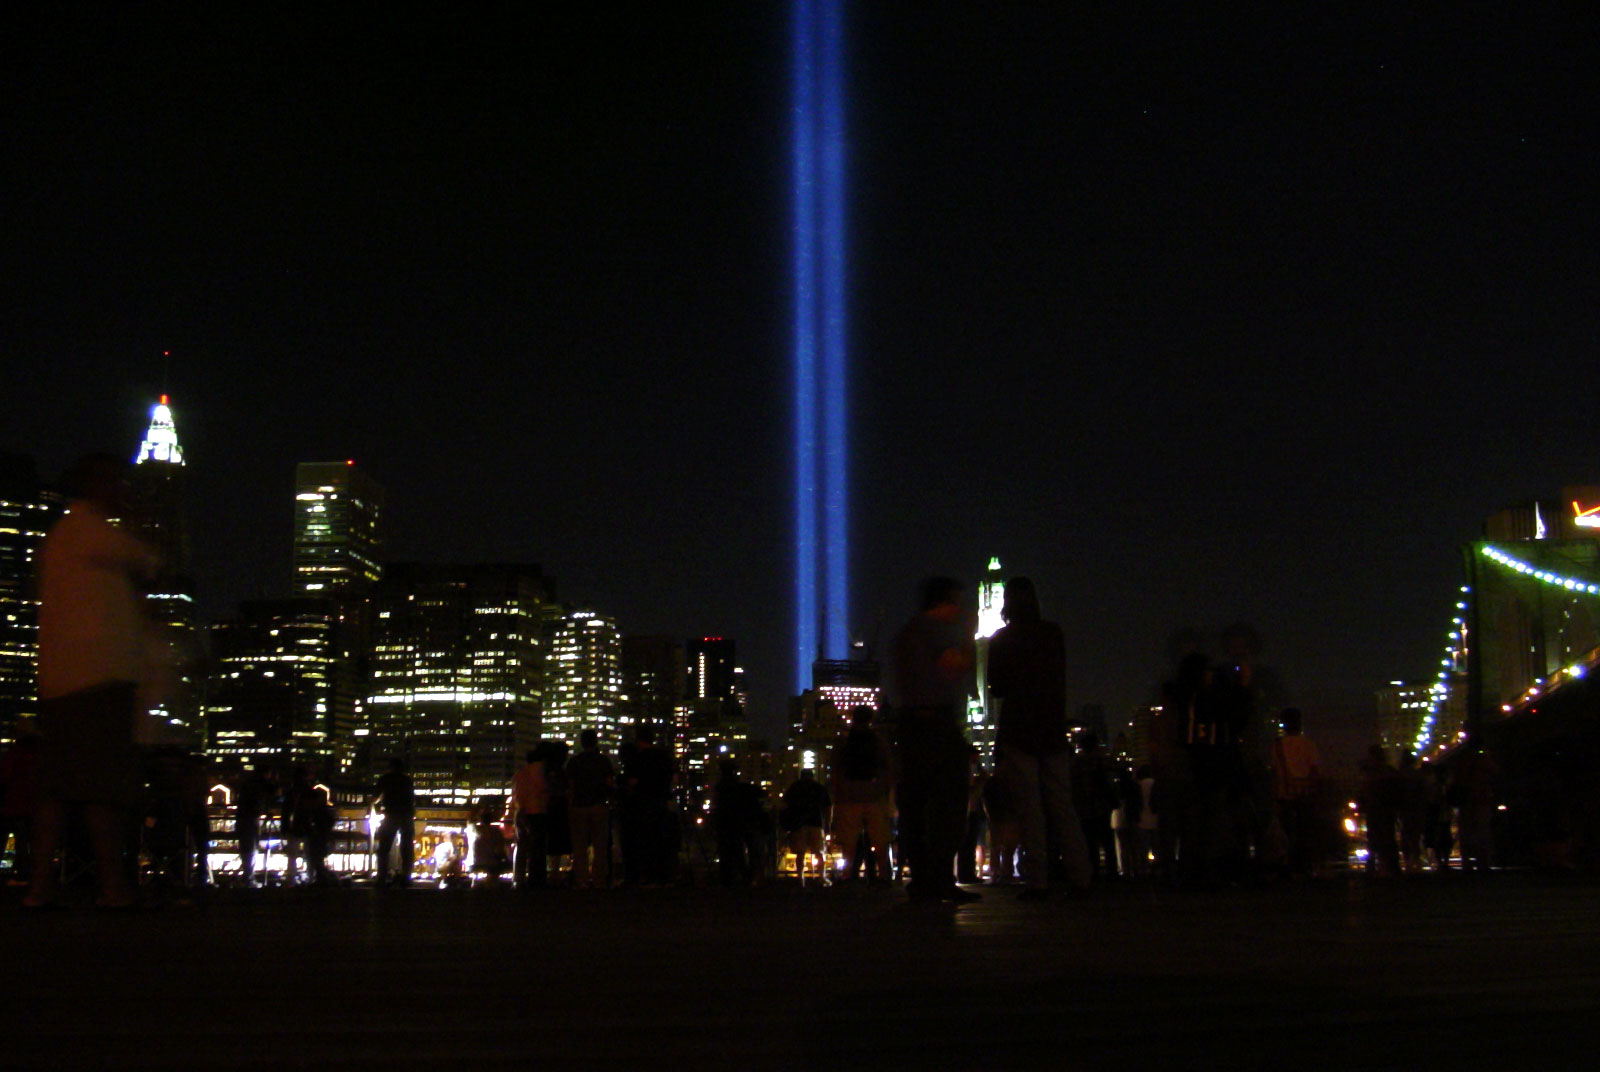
x,y
591,820
1229,788
1201,812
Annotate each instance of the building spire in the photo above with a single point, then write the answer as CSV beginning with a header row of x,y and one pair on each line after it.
x,y
161,440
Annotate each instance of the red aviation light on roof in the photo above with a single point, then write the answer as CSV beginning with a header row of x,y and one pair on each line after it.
x,y
164,401
350,461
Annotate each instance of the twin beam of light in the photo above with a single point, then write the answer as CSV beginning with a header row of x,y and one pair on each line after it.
x,y
821,461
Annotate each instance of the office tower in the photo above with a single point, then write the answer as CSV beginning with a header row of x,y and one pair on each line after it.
x,y
820,716
337,540
583,688
711,720
653,681
457,671
279,691
711,669
1402,707
158,516
25,515
982,712
847,683
158,479
337,529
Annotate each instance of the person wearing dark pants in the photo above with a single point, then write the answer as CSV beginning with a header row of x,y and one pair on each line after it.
x,y
933,674
933,799
530,799
397,801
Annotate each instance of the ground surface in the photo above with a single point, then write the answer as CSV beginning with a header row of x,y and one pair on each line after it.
x,y
1494,973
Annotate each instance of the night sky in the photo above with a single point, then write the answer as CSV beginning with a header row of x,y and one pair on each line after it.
x,y
1192,313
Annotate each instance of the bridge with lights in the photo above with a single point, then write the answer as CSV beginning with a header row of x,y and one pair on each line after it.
x,y
1520,671
1525,627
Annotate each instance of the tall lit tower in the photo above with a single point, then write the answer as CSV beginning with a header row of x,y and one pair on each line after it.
x,y
158,517
711,669
711,720
25,516
158,485
981,712
337,512
583,683
822,605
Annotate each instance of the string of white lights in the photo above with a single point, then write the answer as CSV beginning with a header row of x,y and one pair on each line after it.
x,y
1439,691
1571,584
1555,580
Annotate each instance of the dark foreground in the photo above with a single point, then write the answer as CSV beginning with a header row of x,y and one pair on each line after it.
x,y
1496,973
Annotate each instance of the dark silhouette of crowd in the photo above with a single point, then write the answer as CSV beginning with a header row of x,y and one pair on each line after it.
x,y
1227,786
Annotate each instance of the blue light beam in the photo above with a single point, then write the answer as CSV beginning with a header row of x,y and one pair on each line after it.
x,y
821,515
805,346
836,606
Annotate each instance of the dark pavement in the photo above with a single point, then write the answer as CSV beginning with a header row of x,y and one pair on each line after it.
x,y
1498,972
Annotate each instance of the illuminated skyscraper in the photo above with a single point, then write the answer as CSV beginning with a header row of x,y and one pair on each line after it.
x,y
981,710
457,674
820,715
584,680
337,539
711,671
711,719
653,681
337,529
25,515
278,687
158,517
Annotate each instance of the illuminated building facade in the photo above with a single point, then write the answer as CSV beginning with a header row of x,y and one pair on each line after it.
x,y
158,517
26,513
819,335
1402,707
711,721
847,683
820,716
278,689
653,681
711,670
584,679
981,710
456,672
337,529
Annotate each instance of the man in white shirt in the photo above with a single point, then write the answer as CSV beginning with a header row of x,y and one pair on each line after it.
x,y
91,659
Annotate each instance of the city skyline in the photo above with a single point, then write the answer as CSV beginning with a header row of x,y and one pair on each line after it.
x,y
1191,319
